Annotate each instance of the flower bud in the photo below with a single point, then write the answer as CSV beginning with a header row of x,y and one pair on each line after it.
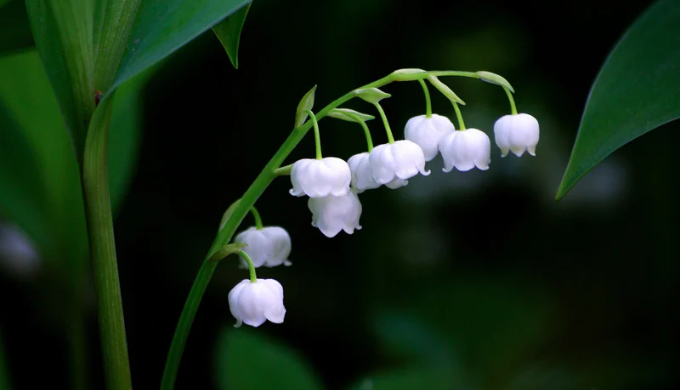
x,y
269,246
427,132
256,302
465,150
319,178
331,214
517,133
400,160
362,174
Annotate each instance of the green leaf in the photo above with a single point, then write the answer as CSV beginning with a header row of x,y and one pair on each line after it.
x,y
306,103
228,32
125,135
39,177
248,360
349,115
41,165
637,90
408,74
163,26
495,79
445,90
410,379
16,32
63,35
371,95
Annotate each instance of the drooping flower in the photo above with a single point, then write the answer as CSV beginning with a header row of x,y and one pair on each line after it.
x,y
254,303
517,133
319,178
393,164
362,174
466,149
331,214
269,246
427,132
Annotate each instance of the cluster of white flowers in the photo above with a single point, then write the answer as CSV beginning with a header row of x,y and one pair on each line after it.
x,y
333,185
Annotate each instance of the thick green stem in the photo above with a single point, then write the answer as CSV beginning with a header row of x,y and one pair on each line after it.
x,y
461,124
270,171
103,251
256,216
512,101
388,130
428,103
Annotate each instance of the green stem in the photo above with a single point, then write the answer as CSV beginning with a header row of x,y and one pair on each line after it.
x,y
251,267
367,133
239,212
512,101
461,124
256,216
428,103
103,251
317,134
390,137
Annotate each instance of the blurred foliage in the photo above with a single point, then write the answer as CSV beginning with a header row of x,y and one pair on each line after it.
x,y
637,90
16,33
247,360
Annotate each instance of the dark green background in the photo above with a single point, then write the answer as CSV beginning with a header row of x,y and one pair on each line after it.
x,y
479,275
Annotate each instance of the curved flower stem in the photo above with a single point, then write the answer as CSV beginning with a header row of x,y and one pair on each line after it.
x,y
428,103
459,115
367,133
256,216
251,266
317,134
268,174
103,251
388,130
512,101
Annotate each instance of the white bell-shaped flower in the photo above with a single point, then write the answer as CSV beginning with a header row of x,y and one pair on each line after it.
x,y
393,164
427,132
331,214
517,133
465,150
362,174
269,246
256,302
319,178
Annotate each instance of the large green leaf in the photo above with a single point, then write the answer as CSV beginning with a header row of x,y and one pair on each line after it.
x,y
637,90
228,32
248,360
43,166
163,26
16,33
63,35
39,183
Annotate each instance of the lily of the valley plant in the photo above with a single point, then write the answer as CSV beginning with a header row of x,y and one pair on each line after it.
x,y
333,185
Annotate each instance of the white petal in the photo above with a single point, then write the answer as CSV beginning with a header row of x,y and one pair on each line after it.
x,y
427,132
332,214
318,178
402,159
466,150
362,174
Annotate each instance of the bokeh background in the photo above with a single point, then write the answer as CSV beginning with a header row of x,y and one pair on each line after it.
x,y
475,280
